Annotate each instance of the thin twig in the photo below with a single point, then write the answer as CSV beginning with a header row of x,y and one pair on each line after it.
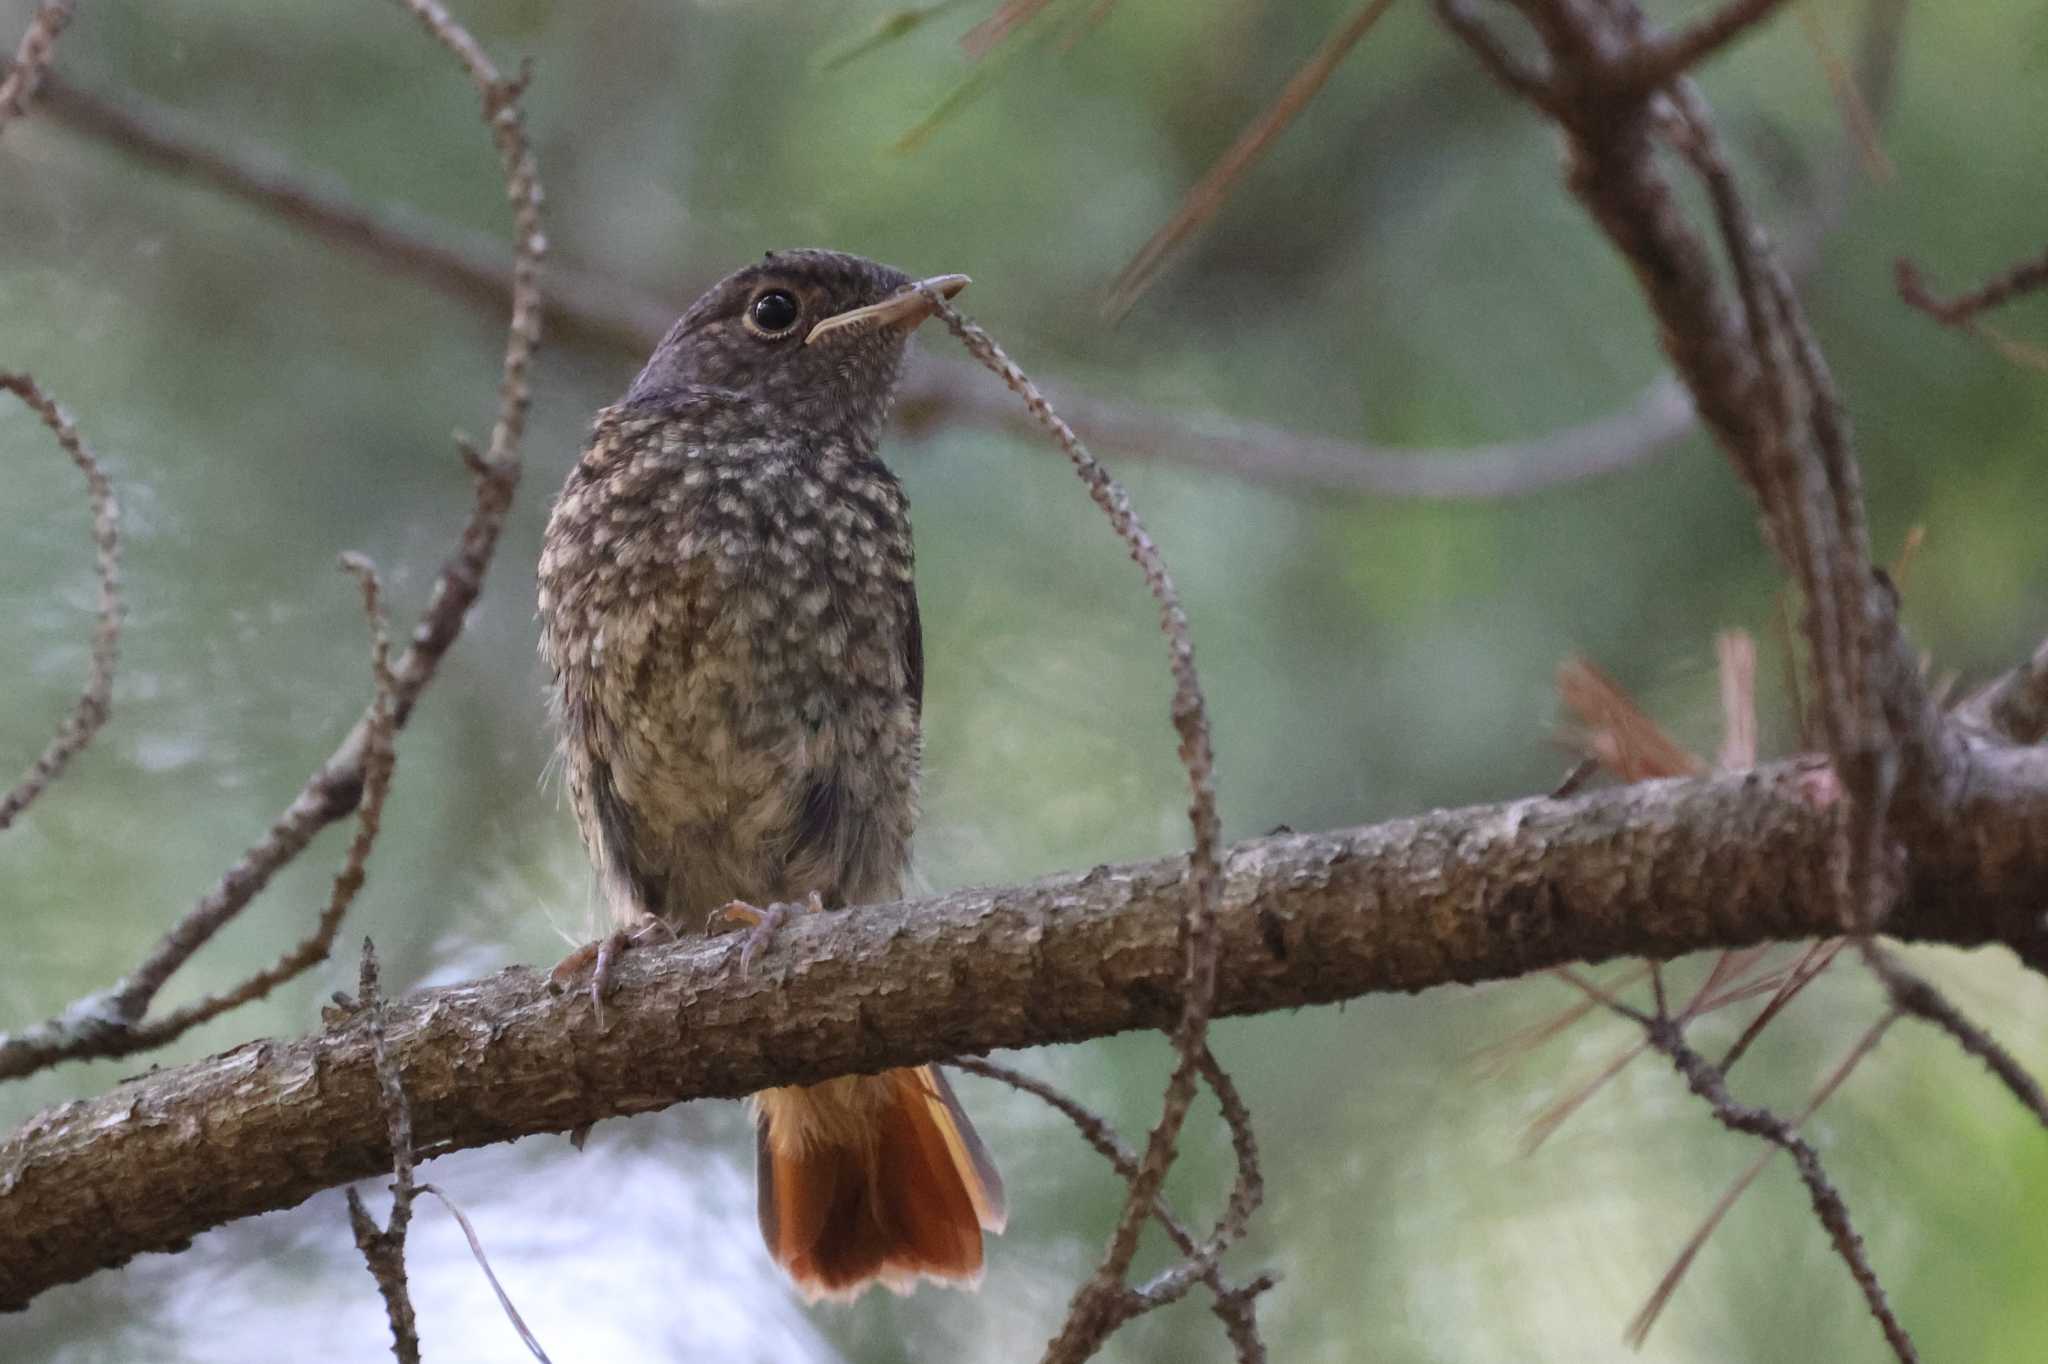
x,y
1095,1313
20,80
470,266
1961,309
384,1248
588,308
1913,994
1234,1306
94,703
379,761
1656,62
1646,1317
105,1024
1706,1081
1652,422
1208,194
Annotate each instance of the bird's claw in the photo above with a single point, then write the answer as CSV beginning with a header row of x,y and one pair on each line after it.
x,y
600,957
763,924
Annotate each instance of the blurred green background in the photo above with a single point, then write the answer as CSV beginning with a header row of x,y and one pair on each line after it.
x,y
1404,268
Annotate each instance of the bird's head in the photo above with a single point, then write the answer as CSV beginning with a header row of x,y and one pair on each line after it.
x,y
818,336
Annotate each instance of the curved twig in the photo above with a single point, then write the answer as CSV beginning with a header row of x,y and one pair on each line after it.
x,y
1233,1305
379,760
90,711
105,1024
1101,1304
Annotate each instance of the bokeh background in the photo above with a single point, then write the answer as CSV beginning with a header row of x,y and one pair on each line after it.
x,y
1404,268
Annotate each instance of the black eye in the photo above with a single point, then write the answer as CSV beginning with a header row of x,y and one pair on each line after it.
x,y
774,312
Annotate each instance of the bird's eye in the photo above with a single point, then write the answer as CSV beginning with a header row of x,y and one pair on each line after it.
x,y
773,313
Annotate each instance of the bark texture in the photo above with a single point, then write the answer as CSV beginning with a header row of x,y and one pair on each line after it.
x,y
1659,868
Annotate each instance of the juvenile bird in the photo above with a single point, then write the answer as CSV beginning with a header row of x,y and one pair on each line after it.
x,y
727,605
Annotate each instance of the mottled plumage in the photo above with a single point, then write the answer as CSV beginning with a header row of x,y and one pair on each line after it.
x,y
727,603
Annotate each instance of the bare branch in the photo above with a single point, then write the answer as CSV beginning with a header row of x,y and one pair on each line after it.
x,y
1233,1306
1202,202
2017,281
1659,61
1466,895
592,309
1096,1311
1917,996
1639,1326
1705,1081
20,80
379,762
95,702
1651,423
473,268
104,1025
1762,387
384,1249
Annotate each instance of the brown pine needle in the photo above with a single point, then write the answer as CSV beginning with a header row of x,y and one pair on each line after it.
x,y
1215,186
1727,972
1788,639
1736,652
1496,1058
1627,741
1545,1124
1731,965
2025,354
1085,25
1816,959
1909,551
1010,16
1857,116
1639,1327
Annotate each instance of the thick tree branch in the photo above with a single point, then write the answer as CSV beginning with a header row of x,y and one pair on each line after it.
x,y
1656,869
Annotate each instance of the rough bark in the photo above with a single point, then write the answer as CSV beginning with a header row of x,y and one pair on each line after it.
x,y
1660,868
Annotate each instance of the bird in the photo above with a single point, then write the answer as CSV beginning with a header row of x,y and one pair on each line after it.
x,y
729,613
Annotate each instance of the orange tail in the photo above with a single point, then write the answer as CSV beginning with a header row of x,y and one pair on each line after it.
x,y
873,1178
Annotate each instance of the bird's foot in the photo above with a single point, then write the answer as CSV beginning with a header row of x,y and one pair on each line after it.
x,y
599,958
764,923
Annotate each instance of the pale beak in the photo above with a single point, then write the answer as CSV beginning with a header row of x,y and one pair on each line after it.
x,y
905,308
